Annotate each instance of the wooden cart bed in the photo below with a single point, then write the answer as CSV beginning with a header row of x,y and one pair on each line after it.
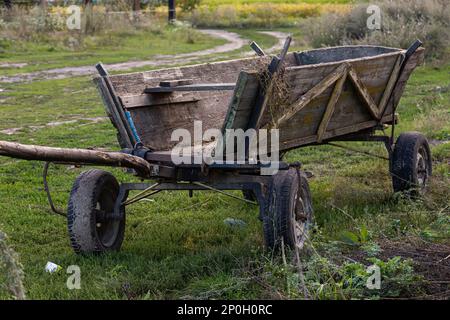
x,y
332,92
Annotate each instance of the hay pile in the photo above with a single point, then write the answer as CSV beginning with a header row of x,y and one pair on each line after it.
x,y
275,88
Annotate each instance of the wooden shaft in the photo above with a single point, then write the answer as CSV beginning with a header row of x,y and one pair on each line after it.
x,y
315,91
50,154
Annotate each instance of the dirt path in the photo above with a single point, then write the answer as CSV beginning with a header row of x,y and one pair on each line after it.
x,y
234,42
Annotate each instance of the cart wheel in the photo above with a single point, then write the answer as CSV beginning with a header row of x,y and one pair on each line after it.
x,y
94,194
411,163
290,212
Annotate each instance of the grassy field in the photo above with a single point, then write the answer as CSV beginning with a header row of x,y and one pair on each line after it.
x,y
234,2
179,247
57,52
255,14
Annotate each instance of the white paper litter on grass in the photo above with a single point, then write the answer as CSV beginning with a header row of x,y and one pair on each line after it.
x,y
51,267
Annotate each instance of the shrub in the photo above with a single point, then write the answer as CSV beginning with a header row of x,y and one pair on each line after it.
x,y
188,5
49,26
265,15
10,270
402,22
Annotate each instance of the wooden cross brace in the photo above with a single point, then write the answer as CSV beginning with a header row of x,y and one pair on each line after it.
x,y
338,77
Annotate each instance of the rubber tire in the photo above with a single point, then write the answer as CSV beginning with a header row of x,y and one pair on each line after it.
x,y
81,217
404,160
278,224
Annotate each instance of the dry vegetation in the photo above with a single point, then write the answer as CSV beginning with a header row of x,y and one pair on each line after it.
x,y
31,22
401,23
263,15
33,38
11,274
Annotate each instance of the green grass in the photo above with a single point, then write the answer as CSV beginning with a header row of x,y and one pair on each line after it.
x,y
219,2
265,41
53,52
177,246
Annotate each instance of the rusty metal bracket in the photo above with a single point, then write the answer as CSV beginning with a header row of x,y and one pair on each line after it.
x,y
47,191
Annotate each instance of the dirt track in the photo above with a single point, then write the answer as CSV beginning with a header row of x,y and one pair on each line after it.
x,y
235,42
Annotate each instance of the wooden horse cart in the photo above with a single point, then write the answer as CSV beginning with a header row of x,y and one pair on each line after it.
x,y
347,93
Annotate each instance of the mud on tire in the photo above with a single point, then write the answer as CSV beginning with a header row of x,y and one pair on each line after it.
x,y
411,163
290,212
94,194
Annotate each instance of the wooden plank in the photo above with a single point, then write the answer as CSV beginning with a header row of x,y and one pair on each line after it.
x,y
347,111
349,108
302,59
214,72
260,52
298,58
391,84
116,105
241,104
314,92
326,55
149,100
176,83
155,124
330,107
302,141
303,78
124,139
415,60
193,87
364,94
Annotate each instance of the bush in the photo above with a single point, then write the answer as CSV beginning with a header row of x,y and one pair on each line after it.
x,y
49,26
11,274
188,5
265,15
402,22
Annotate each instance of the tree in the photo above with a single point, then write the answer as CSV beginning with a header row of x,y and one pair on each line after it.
x,y
188,5
172,11
136,5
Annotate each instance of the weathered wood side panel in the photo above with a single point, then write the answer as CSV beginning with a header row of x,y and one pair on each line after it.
x,y
147,100
416,59
108,102
349,110
325,55
155,124
156,116
241,105
156,120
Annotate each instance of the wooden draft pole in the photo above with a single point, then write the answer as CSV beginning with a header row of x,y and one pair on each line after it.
x,y
76,156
